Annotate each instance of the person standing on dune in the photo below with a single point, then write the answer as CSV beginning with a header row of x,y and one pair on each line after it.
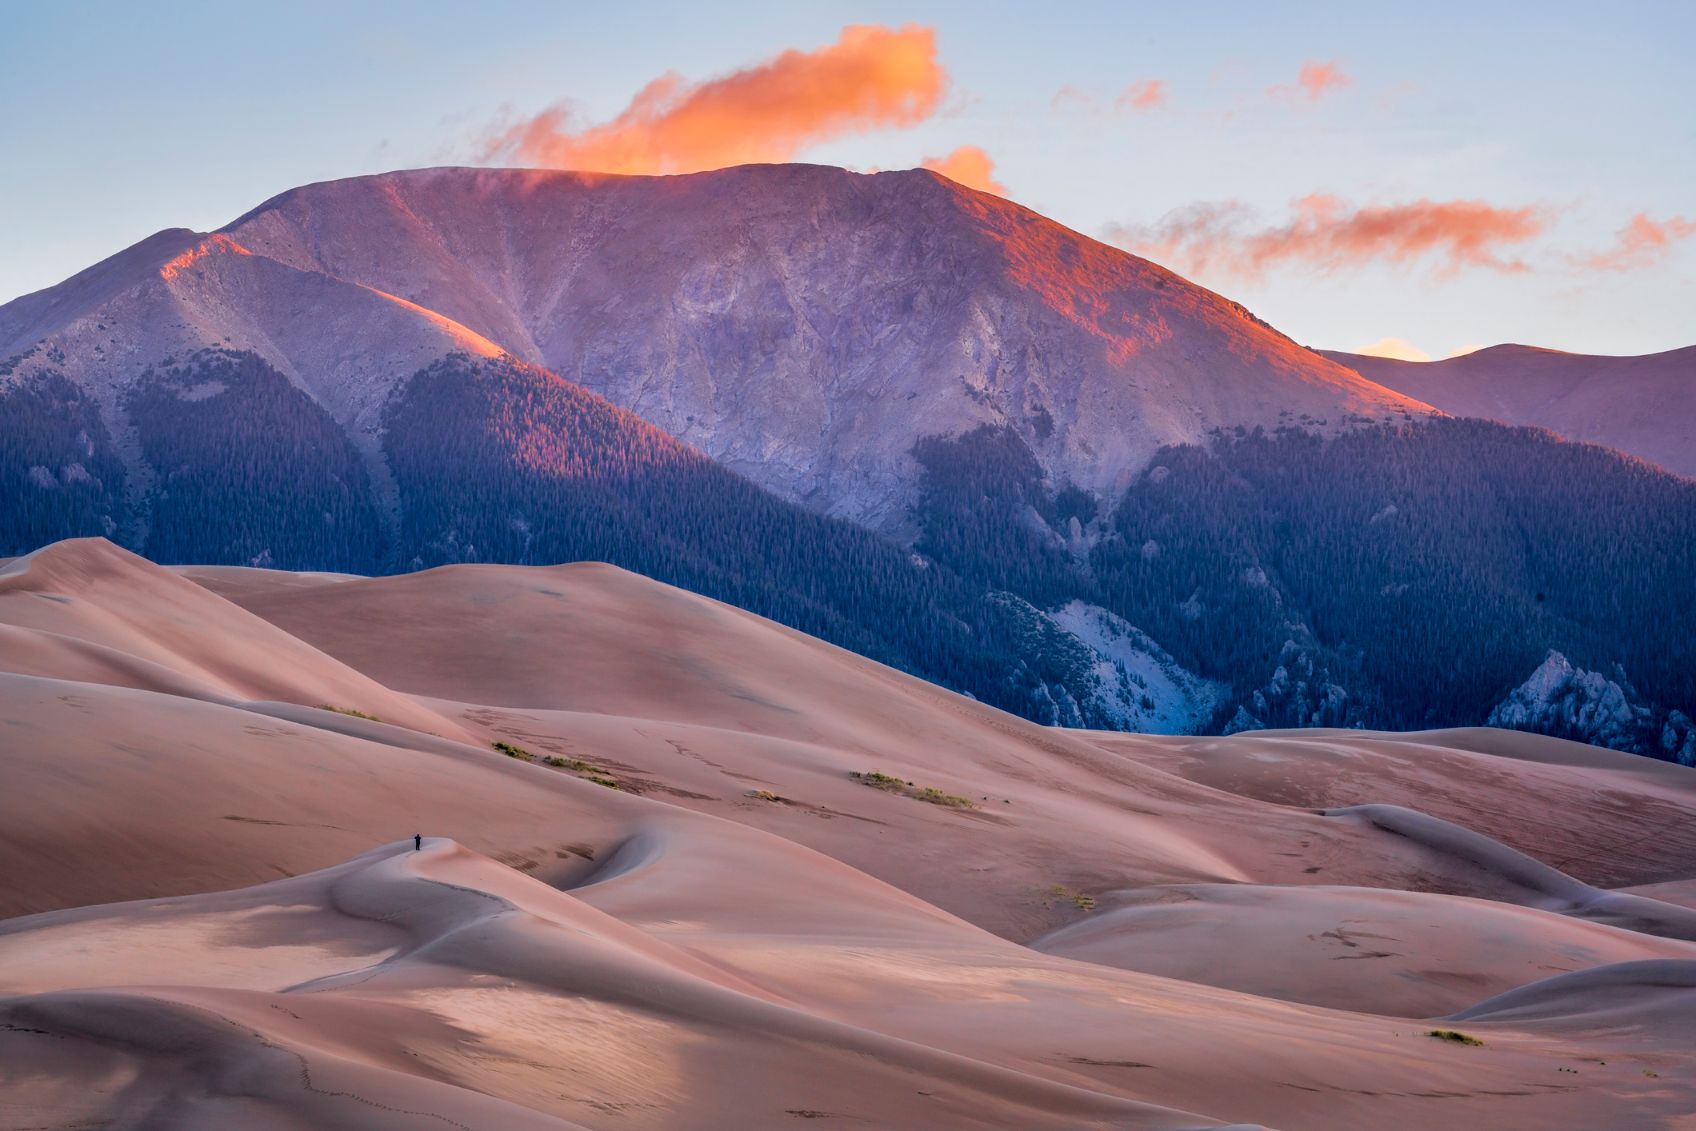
x,y
417,841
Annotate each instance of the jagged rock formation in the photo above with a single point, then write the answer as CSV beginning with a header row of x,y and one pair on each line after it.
x,y
1569,702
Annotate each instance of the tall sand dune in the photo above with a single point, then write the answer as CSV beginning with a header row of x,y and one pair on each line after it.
x,y
724,875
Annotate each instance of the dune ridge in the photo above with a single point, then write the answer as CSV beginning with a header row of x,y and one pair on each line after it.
x,y
698,916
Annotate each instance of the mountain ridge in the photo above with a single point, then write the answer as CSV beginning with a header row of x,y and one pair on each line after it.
x,y
1640,404
888,307
741,372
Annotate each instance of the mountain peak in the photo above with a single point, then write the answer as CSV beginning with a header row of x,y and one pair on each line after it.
x,y
807,325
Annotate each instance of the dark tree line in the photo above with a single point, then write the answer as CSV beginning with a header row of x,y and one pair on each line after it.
x,y
1426,568
249,469
59,472
497,461
1393,576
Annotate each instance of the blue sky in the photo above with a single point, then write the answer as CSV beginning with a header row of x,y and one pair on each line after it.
x,y
1556,123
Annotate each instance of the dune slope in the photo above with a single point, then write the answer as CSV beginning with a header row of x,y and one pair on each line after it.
x,y
671,904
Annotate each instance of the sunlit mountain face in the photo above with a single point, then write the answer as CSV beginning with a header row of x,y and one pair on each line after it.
x,y
918,420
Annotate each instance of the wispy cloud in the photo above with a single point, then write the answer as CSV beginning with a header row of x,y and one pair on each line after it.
x,y
1143,94
871,78
1641,243
1314,81
1326,234
968,165
1146,94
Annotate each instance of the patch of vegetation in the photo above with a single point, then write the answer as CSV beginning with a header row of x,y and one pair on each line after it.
x,y
349,711
578,765
600,775
926,793
1083,900
1454,1035
60,474
1341,581
878,780
935,796
249,469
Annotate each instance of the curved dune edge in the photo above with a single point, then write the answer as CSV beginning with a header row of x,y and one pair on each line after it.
x,y
500,1001
1394,953
741,932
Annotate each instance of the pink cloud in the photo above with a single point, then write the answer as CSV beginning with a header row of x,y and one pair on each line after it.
x,y
1069,95
1642,243
870,78
1148,94
1327,234
1314,81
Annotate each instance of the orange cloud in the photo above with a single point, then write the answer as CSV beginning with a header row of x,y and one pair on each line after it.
x,y
969,166
870,78
1642,243
1145,95
1315,81
1327,235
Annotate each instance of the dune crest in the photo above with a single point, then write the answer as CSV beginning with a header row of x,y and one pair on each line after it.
x,y
684,868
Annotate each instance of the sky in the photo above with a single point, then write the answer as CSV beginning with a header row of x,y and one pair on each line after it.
x,y
1418,179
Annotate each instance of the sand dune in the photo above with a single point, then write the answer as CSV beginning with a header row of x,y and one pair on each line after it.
x,y
1397,953
85,609
697,916
1623,819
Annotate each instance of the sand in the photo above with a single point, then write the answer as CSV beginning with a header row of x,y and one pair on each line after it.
x,y
217,918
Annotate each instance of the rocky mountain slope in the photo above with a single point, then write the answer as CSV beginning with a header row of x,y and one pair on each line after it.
x,y
1644,405
396,372
805,326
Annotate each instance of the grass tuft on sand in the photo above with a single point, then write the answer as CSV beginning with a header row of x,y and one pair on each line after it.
x,y
586,770
349,711
1454,1035
926,793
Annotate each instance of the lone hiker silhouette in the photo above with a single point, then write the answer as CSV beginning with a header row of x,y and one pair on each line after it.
x,y
417,841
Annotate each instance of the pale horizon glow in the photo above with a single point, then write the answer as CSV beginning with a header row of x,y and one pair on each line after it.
x,y
1400,349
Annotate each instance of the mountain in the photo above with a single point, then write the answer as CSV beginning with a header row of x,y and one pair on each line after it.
x,y
1644,405
1391,576
1081,489
673,875
804,326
